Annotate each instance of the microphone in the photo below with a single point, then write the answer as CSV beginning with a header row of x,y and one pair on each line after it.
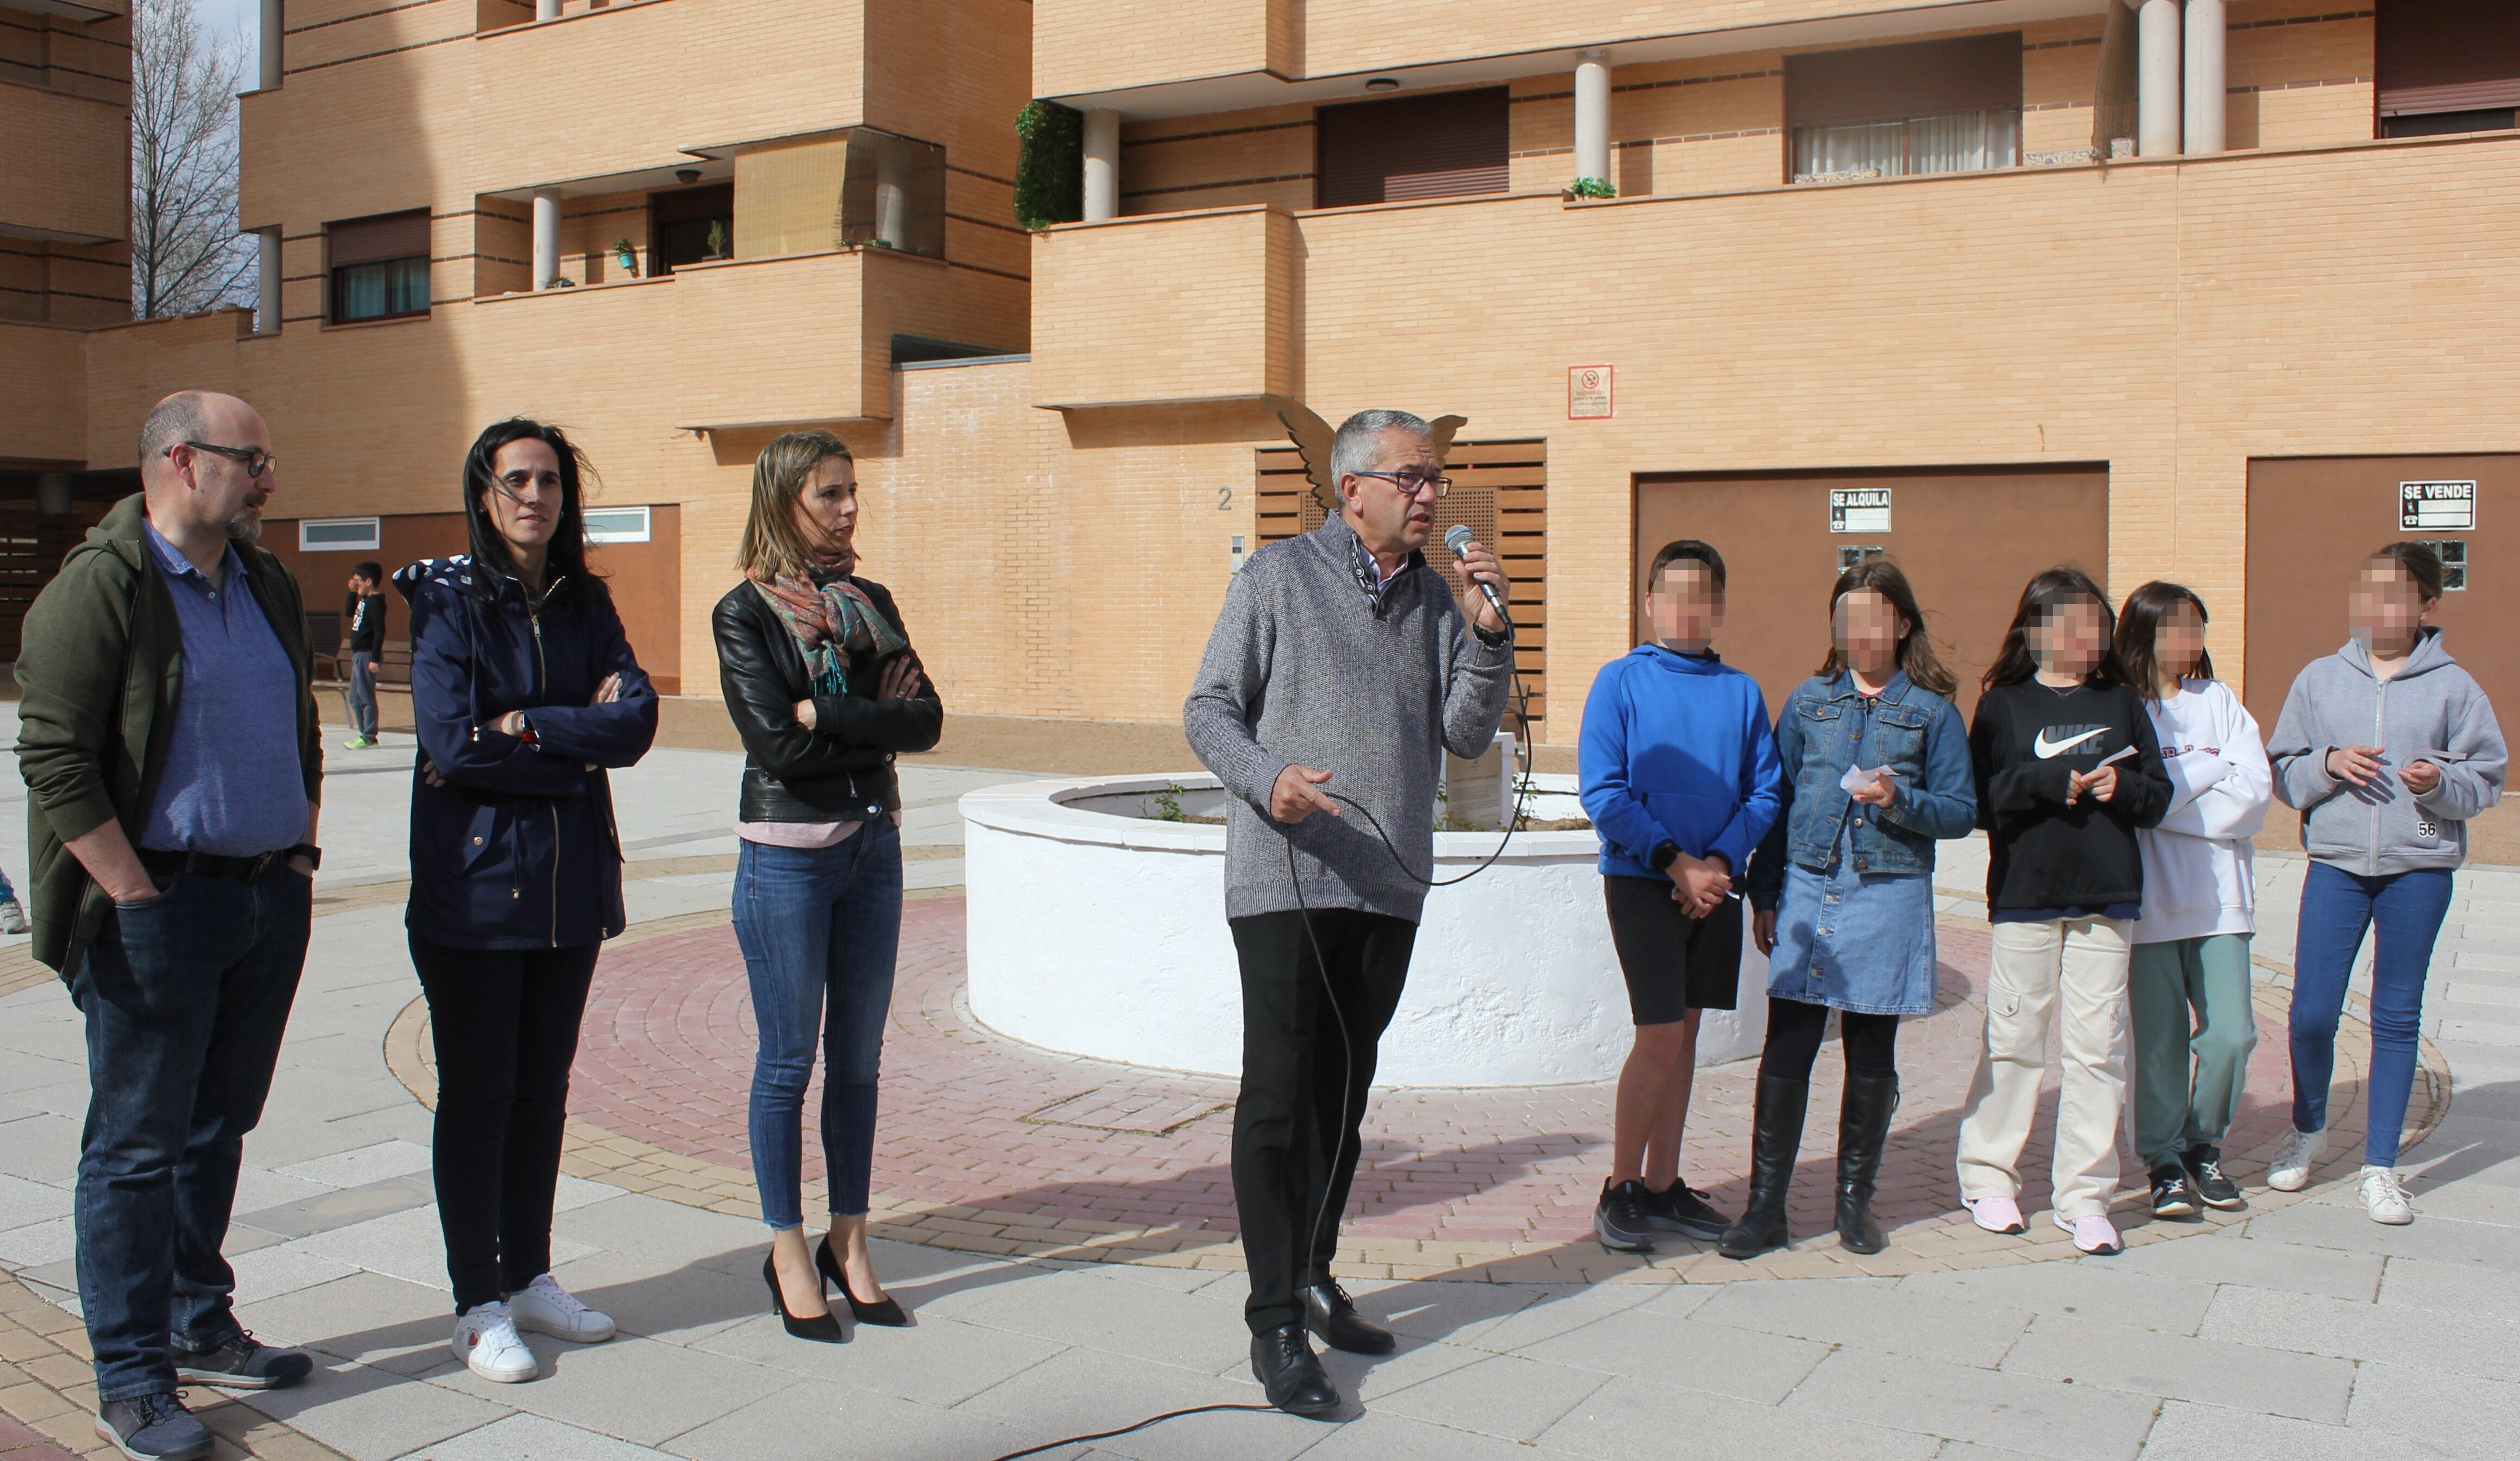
x,y
1457,538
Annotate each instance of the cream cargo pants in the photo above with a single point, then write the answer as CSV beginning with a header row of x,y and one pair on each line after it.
x,y
2085,960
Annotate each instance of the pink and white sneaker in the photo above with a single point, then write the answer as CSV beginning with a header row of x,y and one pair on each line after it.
x,y
2093,1234
1997,1215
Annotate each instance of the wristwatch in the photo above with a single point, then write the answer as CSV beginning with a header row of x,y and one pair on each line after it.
x,y
1665,853
525,729
313,855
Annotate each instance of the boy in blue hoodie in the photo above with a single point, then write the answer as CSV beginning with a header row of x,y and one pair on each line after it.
x,y
1680,777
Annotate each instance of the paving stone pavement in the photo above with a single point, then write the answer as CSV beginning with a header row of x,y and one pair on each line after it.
x,y
2300,1329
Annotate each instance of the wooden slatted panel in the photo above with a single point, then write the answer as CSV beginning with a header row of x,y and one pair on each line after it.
x,y
32,548
1499,488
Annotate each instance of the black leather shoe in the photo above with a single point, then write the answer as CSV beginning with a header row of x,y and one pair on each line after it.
x,y
1290,1374
1330,1314
886,1313
1862,1130
1775,1139
822,1328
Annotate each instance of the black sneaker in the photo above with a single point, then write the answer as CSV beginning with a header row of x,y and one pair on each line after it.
x,y
242,1363
2173,1195
2204,1166
154,1428
1624,1222
1680,1209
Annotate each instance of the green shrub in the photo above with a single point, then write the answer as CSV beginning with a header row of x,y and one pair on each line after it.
x,y
1050,164
1592,188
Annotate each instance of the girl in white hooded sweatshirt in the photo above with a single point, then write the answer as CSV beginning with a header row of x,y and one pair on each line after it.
x,y
2187,976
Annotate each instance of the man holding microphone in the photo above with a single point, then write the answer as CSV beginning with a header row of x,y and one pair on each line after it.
x,y
1339,671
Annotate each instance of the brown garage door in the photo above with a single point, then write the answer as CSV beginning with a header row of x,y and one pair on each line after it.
x,y
1968,538
2312,522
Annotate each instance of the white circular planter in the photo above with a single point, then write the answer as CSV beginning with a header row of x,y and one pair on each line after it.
x,y
1098,930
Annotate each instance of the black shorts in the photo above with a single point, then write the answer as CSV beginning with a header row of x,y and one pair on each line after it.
x,y
1674,963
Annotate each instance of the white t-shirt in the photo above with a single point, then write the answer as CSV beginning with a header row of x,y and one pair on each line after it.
x,y
2199,866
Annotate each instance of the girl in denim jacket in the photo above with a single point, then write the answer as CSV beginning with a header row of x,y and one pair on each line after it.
x,y
1876,768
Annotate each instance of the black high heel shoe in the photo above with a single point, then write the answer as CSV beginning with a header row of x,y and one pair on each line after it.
x,y
887,1314
822,1328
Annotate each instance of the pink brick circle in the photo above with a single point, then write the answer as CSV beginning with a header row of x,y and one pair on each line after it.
x,y
973,1118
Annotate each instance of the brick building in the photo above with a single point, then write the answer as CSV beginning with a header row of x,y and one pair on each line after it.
x,y
2168,289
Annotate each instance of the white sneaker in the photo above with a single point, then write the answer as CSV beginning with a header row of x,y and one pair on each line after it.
x,y
543,1307
2290,1171
2384,1199
12,917
2093,1234
487,1342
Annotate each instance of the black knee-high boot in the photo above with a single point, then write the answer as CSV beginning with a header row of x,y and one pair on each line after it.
x,y
1775,1141
1862,1130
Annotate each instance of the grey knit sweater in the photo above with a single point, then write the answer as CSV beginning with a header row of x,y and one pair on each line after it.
x,y
1303,669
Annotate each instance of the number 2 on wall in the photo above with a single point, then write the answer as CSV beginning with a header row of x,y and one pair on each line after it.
x,y
1225,499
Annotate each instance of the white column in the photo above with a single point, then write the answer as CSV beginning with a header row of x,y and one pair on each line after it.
x,y
891,201
546,10
1593,115
266,319
273,24
2205,76
546,235
1101,165
2158,98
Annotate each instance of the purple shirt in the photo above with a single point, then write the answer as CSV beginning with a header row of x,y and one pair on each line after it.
x,y
231,785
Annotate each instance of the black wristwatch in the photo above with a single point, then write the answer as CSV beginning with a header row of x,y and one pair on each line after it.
x,y
313,855
1665,853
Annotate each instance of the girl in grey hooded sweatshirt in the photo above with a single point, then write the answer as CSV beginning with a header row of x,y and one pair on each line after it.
x,y
2386,748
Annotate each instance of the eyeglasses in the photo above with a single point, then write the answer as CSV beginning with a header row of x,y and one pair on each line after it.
x,y
256,461
1410,483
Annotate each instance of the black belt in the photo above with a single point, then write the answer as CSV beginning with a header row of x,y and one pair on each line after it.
x,y
211,864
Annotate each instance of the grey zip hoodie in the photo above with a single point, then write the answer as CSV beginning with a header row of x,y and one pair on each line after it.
x,y
2430,710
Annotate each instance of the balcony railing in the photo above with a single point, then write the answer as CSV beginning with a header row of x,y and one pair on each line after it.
x,y
1221,328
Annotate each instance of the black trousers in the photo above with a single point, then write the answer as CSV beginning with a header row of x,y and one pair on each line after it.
x,y
505,1024
1303,1087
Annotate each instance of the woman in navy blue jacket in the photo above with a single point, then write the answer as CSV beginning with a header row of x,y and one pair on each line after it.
x,y
524,690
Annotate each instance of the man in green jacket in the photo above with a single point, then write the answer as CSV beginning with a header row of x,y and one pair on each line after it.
x,y
168,739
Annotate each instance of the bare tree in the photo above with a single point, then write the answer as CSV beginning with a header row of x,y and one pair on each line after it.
x,y
186,255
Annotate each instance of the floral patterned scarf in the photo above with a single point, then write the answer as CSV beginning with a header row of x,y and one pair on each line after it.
x,y
836,626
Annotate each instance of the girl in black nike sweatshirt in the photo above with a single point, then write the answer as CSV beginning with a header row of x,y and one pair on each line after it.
x,y
2067,770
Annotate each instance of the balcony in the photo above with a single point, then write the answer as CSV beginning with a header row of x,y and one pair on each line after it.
x,y
1224,331
64,173
43,375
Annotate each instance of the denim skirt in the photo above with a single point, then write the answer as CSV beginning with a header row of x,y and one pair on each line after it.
x,y
1860,942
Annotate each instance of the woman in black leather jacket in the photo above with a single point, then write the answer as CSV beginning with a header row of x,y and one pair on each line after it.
x,y
825,688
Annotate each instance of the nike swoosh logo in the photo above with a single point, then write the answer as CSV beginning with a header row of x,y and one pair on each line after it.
x,y
2050,750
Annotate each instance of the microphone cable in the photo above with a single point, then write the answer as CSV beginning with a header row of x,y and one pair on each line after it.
x,y
1347,1043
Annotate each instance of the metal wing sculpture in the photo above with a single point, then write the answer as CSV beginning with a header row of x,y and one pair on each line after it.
x,y
1313,437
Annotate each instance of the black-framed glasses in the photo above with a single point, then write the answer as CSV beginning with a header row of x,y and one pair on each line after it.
x,y
1410,482
256,461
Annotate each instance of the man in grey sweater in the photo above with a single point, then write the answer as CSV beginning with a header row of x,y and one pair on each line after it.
x,y
1338,672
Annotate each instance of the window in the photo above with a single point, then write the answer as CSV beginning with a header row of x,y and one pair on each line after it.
x,y
1449,145
1888,112
616,524
2453,557
892,193
690,226
2448,66
380,266
337,534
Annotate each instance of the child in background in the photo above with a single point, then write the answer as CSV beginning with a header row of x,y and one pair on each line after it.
x,y
2068,771
1679,775
1876,767
2387,748
2192,946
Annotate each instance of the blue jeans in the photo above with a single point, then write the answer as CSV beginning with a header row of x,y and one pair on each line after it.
x,y
360,692
819,929
2336,907
185,995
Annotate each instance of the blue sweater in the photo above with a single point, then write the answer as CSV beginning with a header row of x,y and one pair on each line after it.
x,y
1678,748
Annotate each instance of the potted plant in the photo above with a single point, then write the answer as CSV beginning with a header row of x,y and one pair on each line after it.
x,y
626,257
718,239
1590,188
